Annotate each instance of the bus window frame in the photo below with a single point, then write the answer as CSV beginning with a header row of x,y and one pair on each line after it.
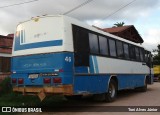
x,y
109,53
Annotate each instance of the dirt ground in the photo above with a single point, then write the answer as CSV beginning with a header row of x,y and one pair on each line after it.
x,y
127,99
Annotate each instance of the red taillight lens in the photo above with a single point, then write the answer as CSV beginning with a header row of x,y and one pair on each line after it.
x,y
14,80
57,80
20,81
61,70
47,80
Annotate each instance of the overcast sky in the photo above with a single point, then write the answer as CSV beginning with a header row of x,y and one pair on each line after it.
x,y
143,14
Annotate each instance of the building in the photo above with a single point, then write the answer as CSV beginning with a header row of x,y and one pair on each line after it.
x,y
5,55
127,32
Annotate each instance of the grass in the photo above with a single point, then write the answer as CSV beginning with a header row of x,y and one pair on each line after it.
x,y
18,100
5,86
13,99
9,98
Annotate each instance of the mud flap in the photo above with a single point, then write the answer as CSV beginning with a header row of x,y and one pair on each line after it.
x,y
41,95
23,92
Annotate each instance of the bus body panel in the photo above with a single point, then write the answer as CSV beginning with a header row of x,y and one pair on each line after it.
x,y
60,64
39,39
95,84
118,66
95,78
105,65
91,84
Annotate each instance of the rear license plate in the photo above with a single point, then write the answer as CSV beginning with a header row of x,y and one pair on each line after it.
x,y
33,76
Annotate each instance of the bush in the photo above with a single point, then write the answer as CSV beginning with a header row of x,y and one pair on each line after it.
x,y
5,86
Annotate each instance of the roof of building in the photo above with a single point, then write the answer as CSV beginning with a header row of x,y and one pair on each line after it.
x,y
128,32
116,29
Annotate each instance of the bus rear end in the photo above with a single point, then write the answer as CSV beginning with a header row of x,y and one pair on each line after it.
x,y
40,63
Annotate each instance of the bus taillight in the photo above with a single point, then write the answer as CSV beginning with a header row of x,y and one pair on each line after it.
x,y
61,70
14,80
20,81
47,80
57,80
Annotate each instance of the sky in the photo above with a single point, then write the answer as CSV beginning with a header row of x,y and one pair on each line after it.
x,y
143,14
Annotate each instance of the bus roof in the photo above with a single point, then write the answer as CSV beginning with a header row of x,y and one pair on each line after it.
x,y
84,25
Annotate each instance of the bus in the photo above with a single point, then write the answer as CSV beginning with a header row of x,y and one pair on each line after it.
x,y
61,55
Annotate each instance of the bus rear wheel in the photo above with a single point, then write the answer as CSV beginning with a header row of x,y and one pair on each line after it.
x,y
111,94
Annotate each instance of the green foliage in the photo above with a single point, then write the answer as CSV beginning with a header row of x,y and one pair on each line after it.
x,y
16,99
5,86
119,24
156,57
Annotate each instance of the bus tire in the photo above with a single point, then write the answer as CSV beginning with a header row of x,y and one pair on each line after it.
x,y
111,94
144,88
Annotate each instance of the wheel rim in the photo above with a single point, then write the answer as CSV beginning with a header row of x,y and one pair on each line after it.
x,y
112,90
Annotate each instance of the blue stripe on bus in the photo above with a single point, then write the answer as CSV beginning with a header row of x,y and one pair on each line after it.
x,y
19,46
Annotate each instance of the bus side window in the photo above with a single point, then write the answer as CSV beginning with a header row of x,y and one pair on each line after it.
x,y
126,51
112,48
132,52
119,45
103,42
93,43
142,55
81,46
148,58
137,53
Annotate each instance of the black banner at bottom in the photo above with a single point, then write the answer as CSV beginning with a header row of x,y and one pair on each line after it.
x,y
18,109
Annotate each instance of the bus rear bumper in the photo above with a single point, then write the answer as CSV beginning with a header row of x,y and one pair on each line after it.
x,y
63,89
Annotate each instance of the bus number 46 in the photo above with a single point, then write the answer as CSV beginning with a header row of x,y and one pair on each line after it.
x,y
68,59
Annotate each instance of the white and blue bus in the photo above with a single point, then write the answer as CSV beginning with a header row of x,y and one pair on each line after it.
x,y
61,55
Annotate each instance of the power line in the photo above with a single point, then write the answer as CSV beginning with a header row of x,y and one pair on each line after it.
x,y
73,9
119,9
18,4
79,6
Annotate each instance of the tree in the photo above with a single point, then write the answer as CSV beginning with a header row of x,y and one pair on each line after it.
x,y
156,56
119,24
